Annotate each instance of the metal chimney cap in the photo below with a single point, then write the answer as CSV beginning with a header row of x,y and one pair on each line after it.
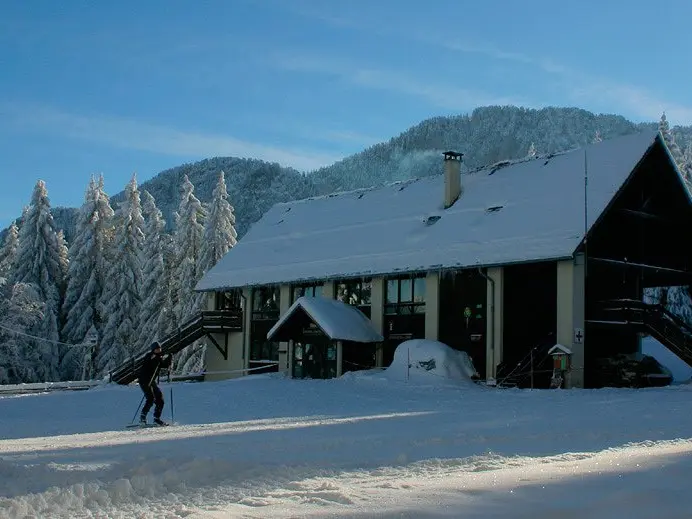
x,y
453,155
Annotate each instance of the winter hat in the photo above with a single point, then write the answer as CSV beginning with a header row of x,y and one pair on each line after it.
x,y
154,345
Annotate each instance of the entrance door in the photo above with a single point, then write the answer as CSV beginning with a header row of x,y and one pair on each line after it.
x,y
315,359
463,314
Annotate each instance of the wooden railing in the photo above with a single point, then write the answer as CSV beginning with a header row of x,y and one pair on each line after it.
x,y
664,326
199,325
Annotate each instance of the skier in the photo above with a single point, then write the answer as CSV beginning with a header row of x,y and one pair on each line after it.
x,y
147,382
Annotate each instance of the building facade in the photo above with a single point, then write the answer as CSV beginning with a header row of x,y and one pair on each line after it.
x,y
503,263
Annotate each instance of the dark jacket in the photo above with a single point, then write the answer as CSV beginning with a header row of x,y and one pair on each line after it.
x,y
150,367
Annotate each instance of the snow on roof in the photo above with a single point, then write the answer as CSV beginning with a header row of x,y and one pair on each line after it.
x,y
527,210
336,319
560,349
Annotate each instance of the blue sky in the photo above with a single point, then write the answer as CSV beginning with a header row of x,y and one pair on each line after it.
x,y
137,87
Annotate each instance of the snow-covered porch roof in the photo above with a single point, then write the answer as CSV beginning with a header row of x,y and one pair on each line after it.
x,y
337,320
522,211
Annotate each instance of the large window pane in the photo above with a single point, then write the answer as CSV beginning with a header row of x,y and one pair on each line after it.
x,y
419,290
392,291
265,299
305,290
406,291
365,293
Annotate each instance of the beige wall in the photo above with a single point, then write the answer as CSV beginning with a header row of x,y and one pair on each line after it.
x,y
432,306
215,361
377,312
285,348
494,322
570,314
238,346
328,290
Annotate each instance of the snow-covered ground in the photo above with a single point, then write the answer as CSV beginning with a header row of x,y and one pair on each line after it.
x,y
376,444
680,370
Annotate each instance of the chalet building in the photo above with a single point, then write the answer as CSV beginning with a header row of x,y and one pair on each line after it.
x,y
503,262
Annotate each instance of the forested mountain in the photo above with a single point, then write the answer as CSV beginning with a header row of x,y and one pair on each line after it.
x,y
485,136
81,290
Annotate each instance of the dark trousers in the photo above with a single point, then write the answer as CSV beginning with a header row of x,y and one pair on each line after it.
x,y
153,396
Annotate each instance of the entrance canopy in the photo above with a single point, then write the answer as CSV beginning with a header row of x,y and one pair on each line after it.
x,y
336,320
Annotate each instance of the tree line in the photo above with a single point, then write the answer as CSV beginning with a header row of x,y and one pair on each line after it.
x,y
71,311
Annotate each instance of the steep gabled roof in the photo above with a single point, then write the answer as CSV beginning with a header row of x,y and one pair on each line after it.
x,y
336,319
527,210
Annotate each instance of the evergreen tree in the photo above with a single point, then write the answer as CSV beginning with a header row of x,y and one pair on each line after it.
x,y
686,167
9,250
155,280
188,241
86,275
167,321
219,236
121,298
219,229
63,252
104,233
83,286
21,311
39,262
669,139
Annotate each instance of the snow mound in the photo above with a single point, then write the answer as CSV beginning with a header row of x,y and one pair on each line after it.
x,y
431,359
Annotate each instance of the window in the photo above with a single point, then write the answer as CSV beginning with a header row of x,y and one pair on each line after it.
x,y
265,303
356,293
305,290
231,300
405,295
265,312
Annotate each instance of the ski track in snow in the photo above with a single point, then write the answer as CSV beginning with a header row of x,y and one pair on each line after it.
x,y
361,446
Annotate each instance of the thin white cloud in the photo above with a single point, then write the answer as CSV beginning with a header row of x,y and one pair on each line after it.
x,y
438,94
138,135
586,88
578,86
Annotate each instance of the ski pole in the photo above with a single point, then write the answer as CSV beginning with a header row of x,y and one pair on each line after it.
x,y
172,419
137,411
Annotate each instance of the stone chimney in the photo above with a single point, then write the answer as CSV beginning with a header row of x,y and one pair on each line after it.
x,y
453,186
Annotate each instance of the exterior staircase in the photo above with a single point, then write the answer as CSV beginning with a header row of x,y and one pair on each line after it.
x,y
665,327
199,325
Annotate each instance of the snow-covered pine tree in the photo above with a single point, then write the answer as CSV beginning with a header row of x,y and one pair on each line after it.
x,y
8,251
219,229
167,321
63,251
219,236
121,298
104,233
668,137
686,166
85,277
83,284
21,310
155,281
39,263
188,242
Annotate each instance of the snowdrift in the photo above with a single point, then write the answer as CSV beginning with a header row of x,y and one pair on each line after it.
x,y
428,359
